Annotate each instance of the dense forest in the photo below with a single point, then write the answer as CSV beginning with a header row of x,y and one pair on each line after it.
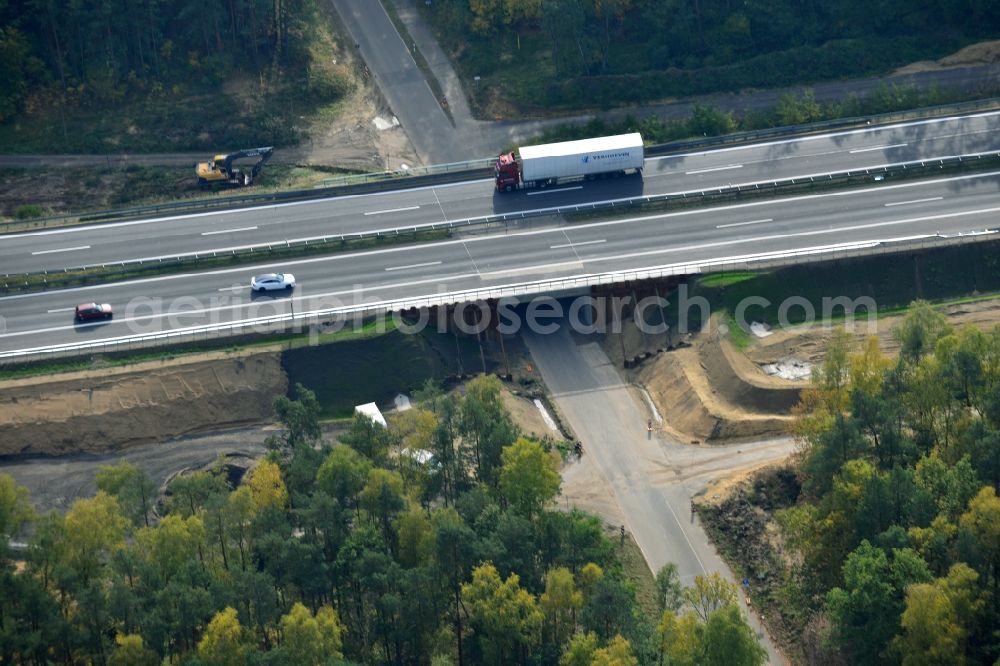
x,y
604,52
360,551
73,56
893,541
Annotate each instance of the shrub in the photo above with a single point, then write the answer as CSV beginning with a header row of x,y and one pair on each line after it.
x,y
28,211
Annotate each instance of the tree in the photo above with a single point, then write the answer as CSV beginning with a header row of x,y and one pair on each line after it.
x,y
505,615
669,591
794,110
131,487
415,536
189,493
455,550
343,474
709,594
528,478
580,650
560,603
709,121
132,651
369,438
266,486
486,422
93,529
172,544
15,510
982,524
920,330
729,641
382,497
931,632
609,608
951,486
311,640
618,652
680,639
866,611
300,418
225,642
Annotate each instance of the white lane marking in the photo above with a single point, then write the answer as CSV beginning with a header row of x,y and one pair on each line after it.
x,y
235,287
562,245
263,268
65,249
887,147
561,189
228,231
391,210
915,201
403,268
743,224
722,168
61,310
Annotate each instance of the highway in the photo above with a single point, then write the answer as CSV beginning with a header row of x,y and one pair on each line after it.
x,y
71,247
491,260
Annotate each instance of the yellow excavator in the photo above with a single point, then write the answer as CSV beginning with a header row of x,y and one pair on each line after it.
x,y
220,170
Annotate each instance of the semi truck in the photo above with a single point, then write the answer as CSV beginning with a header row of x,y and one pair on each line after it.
x,y
550,163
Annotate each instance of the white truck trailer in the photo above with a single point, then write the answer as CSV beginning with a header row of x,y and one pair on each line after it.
x,y
547,164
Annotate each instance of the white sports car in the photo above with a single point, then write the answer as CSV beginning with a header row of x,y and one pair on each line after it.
x,y
272,281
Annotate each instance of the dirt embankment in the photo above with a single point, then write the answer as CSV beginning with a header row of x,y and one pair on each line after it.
x,y
709,392
981,53
121,407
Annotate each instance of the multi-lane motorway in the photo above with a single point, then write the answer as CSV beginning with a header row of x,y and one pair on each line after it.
x,y
515,255
169,237
945,206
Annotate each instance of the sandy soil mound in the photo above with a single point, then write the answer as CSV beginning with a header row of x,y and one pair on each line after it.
x,y
982,53
695,406
106,410
740,382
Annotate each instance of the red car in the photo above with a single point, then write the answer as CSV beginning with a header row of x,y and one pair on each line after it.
x,y
92,311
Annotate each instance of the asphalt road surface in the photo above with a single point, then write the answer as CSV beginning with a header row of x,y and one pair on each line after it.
x,y
58,249
400,80
599,407
524,256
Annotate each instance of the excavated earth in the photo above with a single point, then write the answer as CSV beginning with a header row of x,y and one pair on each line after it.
x,y
116,408
709,392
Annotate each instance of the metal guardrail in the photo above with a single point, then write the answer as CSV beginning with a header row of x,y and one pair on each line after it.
x,y
9,282
456,171
302,321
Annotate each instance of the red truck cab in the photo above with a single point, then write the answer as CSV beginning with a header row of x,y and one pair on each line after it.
x,y
508,174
